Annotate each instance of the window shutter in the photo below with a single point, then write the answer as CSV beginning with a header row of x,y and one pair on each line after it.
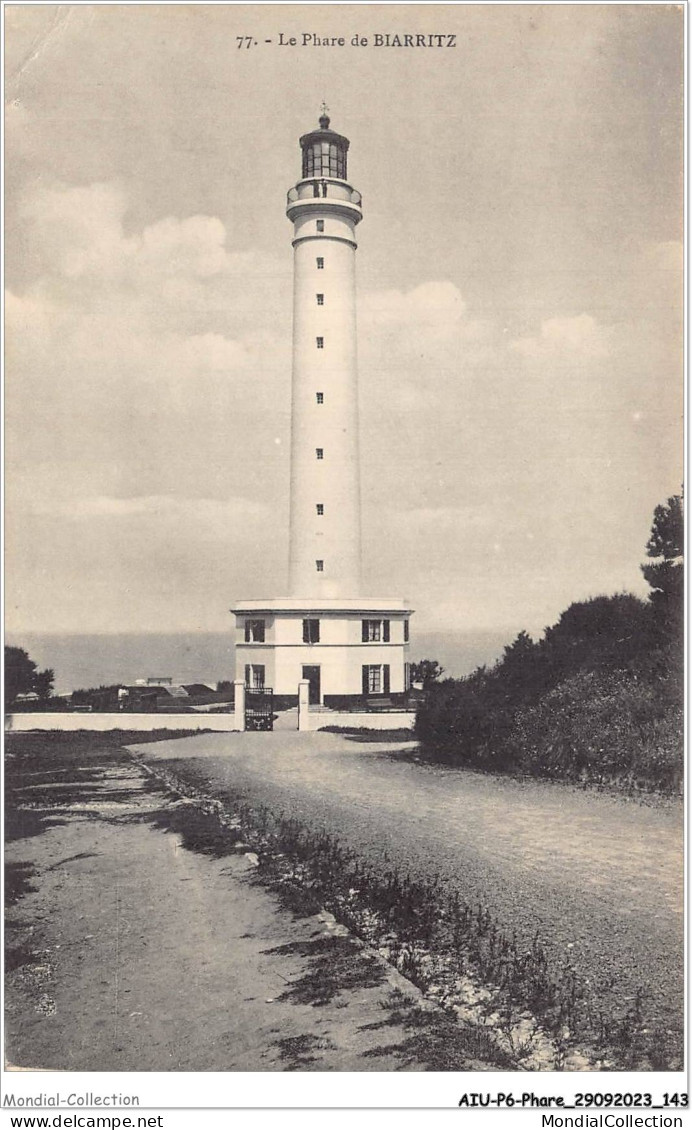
x,y
385,631
365,679
306,631
385,669
247,674
364,636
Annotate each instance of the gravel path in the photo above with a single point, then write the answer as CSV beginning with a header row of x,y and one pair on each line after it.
x,y
598,876
128,952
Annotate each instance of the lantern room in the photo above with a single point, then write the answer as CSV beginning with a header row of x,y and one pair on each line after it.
x,y
324,152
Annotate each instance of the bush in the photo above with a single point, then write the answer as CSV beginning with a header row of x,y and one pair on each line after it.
x,y
599,699
601,728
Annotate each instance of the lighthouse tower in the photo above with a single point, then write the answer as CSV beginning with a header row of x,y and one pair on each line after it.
x,y
325,551
346,645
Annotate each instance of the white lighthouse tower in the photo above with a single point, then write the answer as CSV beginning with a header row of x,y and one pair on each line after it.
x,y
347,646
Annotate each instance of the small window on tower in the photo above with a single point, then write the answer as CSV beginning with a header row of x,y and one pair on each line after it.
x,y
406,631
320,342
320,509
319,566
320,300
319,452
320,264
320,225
320,397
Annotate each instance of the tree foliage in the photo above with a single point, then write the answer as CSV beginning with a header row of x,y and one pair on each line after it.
x,y
665,572
427,672
598,698
23,677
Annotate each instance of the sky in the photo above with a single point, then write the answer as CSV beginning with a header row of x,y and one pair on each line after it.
x,y
519,284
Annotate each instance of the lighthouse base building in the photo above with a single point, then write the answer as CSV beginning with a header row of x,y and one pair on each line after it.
x,y
345,649
346,646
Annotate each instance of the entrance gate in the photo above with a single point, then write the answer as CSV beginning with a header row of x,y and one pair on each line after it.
x,y
259,708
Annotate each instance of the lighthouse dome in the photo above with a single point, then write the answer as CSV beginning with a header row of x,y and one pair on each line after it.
x,y
324,151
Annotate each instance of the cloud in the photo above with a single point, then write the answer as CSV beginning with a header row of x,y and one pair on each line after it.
x,y
437,309
576,337
215,512
428,323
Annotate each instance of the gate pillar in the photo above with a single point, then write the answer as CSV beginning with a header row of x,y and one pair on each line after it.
x,y
239,704
303,705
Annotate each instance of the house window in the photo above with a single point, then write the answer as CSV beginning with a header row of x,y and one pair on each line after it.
x,y
319,452
254,631
254,676
371,631
320,509
373,682
320,342
319,565
320,397
311,631
320,299
405,631
320,225
320,264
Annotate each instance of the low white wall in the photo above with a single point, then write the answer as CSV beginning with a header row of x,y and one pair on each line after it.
x,y
395,720
56,720
317,720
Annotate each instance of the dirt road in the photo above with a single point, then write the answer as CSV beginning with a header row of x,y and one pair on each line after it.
x,y
128,951
599,877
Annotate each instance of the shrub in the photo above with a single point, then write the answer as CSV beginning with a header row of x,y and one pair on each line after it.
x,y
619,725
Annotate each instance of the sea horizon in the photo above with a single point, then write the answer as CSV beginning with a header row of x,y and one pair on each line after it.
x,y
83,659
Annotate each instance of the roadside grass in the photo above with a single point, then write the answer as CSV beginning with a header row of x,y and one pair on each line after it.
x,y
296,1051
18,881
337,964
538,1012
363,734
52,744
438,1038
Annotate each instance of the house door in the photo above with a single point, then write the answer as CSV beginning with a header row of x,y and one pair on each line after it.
x,y
312,674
